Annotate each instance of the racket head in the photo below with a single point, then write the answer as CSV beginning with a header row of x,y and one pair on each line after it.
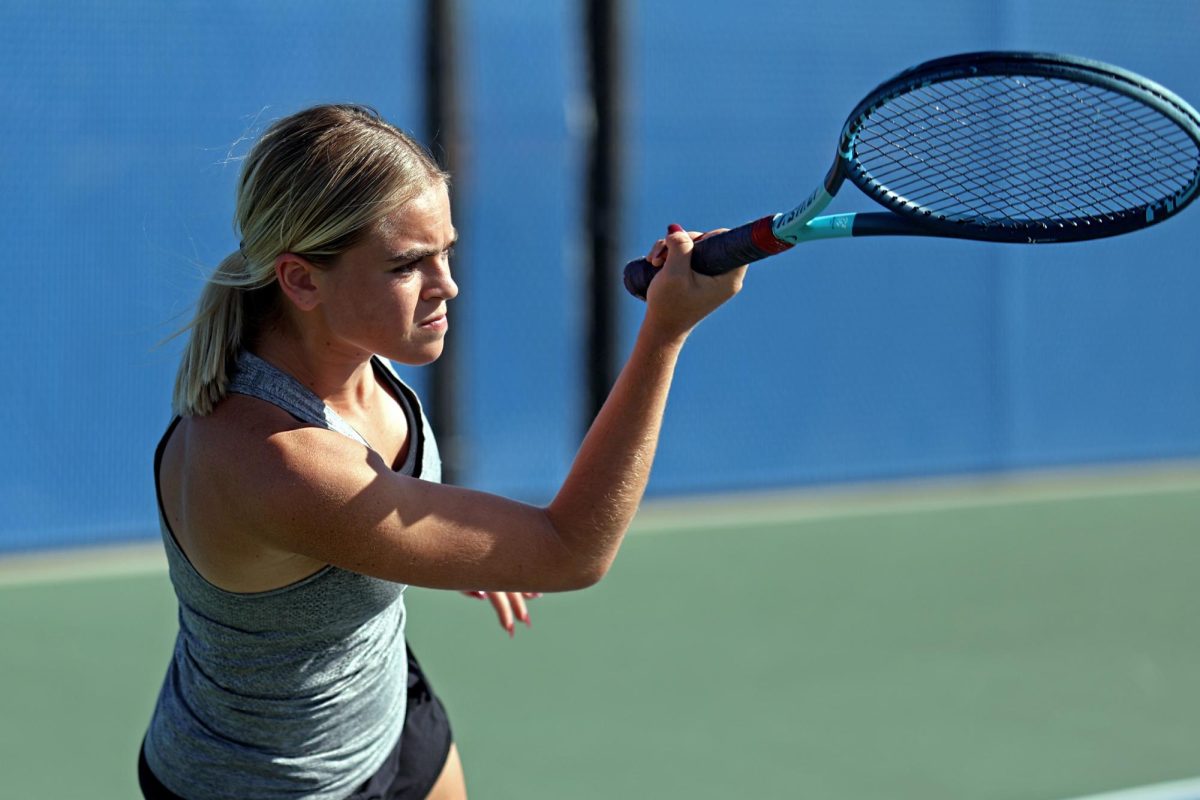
x,y
1023,147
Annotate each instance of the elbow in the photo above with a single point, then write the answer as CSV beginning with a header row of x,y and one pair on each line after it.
x,y
588,575
584,555
579,571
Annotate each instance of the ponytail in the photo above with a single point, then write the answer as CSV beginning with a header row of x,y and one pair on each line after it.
x,y
216,335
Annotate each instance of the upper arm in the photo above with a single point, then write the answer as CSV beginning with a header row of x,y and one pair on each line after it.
x,y
322,495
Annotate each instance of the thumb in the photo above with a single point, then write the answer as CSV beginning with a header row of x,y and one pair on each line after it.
x,y
679,245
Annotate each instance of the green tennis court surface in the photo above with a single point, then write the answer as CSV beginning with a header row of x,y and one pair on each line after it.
x,y
1033,640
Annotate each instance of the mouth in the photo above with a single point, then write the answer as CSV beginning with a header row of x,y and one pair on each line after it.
x,y
435,322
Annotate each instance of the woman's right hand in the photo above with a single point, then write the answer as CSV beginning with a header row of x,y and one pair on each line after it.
x,y
679,297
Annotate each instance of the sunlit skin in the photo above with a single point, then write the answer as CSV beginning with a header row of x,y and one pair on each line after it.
x,y
388,295
320,498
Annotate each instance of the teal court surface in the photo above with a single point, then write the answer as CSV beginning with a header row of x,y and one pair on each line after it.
x,y
1032,637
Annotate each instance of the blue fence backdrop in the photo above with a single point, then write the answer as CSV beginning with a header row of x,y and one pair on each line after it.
x,y
126,122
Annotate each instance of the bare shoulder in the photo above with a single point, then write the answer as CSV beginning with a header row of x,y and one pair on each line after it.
x,y
258,450
295,487
297,491
240,437
223,482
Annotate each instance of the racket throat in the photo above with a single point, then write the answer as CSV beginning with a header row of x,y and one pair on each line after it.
x,y
833,226
842,226
792,226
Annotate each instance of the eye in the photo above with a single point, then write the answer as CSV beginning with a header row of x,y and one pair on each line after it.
x,y
406,268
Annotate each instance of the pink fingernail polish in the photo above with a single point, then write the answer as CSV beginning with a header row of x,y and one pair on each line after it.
x,y
673,228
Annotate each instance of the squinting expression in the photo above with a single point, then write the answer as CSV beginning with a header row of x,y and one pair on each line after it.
x,y
388,294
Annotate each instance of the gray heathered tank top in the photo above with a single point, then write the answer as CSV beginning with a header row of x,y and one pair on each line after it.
x,y
297,692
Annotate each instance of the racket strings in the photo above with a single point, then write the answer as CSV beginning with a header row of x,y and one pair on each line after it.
x,y
1019,164
1015,163
1021,150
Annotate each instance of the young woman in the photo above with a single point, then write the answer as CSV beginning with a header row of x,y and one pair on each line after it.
x,y
298,484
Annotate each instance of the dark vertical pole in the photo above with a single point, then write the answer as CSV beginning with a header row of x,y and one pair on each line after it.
x,y
603,207
442,136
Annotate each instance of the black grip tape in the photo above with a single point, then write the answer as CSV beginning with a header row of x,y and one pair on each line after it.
x,y
713,255
638,275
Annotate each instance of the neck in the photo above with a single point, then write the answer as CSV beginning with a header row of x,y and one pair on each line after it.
x,y
343,379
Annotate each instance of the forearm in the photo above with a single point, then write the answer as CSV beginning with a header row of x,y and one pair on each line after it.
x,y
601,493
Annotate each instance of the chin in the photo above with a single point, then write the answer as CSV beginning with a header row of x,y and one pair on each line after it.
x,y
416,356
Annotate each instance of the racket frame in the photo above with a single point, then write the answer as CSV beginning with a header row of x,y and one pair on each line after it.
x,y
1046,65
779,232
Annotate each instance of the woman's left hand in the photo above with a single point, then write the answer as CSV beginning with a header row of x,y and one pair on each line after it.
x,y
509,606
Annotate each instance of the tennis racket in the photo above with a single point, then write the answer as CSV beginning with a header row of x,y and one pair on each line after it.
x,y
996,146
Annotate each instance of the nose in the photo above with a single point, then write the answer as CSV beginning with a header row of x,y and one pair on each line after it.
x,y
440,285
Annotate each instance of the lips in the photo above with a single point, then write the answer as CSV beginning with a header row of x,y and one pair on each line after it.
x,y
434,321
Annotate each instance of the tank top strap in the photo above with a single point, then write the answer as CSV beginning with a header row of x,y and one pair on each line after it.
x,y
257,378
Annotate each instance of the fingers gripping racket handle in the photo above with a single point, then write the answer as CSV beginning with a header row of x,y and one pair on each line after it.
x,y
714,255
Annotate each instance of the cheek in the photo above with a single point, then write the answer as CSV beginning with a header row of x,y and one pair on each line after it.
x,y
366,304
386,305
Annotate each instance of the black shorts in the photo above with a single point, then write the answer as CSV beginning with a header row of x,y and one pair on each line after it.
x,y
409,771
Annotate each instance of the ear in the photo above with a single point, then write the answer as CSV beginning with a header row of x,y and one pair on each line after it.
x,y
295,276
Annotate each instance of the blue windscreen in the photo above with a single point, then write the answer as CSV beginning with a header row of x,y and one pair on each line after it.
x,y
840,361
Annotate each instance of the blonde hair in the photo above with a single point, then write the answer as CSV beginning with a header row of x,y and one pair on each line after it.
x,y
313,185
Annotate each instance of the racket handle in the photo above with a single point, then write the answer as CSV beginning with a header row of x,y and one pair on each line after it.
x,y
715,255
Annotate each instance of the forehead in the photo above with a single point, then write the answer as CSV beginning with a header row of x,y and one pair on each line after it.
x,y
425,218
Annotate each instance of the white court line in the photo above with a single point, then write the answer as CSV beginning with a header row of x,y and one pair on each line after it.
x,y
798,506
1176,790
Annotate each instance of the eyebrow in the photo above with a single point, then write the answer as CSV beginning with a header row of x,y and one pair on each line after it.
x,y
418,253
